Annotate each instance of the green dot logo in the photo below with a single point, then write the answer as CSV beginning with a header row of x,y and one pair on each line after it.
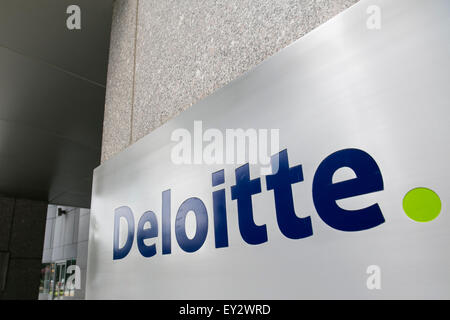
x,y
422,204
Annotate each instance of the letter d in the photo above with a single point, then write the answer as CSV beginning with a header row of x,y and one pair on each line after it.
x,y
123,212
266,309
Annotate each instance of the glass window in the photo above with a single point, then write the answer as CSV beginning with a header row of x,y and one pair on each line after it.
x,y
46,274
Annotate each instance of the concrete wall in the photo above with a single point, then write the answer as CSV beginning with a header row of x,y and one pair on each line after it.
x,y
66,237
166,55
22,227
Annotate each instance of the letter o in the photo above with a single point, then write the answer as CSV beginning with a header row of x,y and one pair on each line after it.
x,y
201,216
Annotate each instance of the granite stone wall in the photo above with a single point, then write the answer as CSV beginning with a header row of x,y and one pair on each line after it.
x,y
22,229
165,55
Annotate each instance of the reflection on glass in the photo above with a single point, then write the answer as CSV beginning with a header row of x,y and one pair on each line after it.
x,y
46,274
69,292
54,279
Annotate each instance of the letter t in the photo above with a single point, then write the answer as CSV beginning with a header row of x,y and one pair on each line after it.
x,y
242,192
280,182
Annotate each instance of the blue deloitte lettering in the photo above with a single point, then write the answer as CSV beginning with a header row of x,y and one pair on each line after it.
x,y
325,193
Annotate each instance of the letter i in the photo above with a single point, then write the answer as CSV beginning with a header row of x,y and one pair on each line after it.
x,y
220,210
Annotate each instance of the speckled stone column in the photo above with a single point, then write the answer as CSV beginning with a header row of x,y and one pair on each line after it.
x,y
22,230
165,55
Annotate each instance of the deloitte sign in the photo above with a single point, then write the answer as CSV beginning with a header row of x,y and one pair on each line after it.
x,y
325,194
350,200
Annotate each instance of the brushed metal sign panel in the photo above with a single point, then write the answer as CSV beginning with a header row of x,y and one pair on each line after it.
x,y
345,85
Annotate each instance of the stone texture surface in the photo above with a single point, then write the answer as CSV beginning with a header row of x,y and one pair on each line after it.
x,y
119,84
187,49
22,227
6,216
4,262
22,280
28,229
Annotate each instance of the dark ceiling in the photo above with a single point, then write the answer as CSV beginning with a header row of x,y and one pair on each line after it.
x,y
52,91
